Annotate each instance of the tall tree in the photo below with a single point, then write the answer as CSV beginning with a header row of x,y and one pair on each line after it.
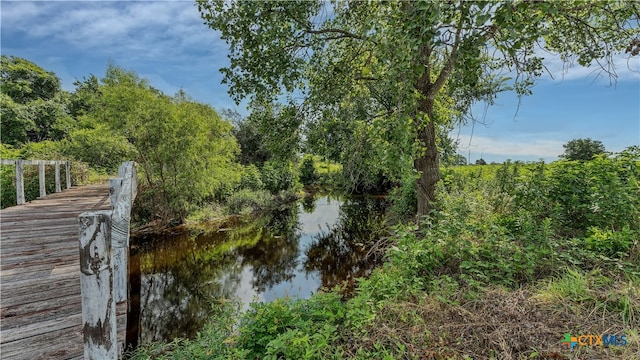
x,y
185,150
390,64
582,149
32,103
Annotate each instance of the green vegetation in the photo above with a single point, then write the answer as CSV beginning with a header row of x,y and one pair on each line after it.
x,y
32,103
186,152
515,256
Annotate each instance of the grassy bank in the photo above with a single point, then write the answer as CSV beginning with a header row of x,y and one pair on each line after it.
x,y
509,263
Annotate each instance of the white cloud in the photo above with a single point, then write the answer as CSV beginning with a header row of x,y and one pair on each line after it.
x,y
624,66
521,146
137,30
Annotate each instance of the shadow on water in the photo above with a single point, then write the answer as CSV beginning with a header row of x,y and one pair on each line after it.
x,y
292,251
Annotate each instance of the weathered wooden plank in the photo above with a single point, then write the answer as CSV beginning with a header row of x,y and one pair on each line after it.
x,y
67,277
32,263
53,213
26,293
35,307
37,312
19,242
16,221
21,249
40,264
58,257
28,237
57,345
45,274
41,327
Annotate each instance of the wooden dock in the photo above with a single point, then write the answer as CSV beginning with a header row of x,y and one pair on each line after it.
x,y
40,301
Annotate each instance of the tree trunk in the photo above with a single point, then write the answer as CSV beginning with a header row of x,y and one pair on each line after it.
x,y
427,164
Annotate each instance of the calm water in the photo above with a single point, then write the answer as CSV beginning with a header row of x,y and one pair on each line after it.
x,y
293,251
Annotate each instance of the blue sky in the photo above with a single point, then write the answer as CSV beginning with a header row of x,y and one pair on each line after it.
x,y
167,43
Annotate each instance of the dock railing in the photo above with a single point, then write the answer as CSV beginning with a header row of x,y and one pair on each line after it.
x,y
20,199
104,253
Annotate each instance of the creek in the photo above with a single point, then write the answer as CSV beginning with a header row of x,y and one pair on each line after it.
x,y
293,251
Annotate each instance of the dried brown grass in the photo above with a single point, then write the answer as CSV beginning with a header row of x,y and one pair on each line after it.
x,y
499,325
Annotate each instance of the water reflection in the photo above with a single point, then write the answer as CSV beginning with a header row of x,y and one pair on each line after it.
x,y
292,251
340,253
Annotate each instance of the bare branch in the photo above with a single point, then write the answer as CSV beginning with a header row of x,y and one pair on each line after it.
x,y
340,34
448,67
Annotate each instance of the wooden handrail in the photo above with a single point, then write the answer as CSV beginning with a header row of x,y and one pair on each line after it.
x,y
19,163
104,252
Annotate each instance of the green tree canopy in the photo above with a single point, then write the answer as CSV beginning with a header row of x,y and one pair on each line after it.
x,y
25,81
582,149
32,104
399,69
185,150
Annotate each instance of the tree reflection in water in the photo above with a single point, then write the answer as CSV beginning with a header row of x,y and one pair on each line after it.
x,y
185,276
340,253
274,257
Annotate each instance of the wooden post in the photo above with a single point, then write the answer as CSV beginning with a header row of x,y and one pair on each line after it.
x,y
19,183
122,209
58,187
96,281
120,253
68,169
43,190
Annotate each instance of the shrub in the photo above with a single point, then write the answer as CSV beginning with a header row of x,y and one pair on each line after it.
x,y
599,193
278,175
100,147
300,329
404,199
609,242
251,178
308,173
246,201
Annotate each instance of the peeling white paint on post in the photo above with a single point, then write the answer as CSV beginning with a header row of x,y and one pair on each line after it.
x,y
58,187
68,169
43,190
19,183
96,281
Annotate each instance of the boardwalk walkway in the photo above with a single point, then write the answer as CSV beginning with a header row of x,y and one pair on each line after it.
x,y
40,303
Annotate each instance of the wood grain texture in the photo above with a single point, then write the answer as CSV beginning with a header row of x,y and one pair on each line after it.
x,y
40,301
